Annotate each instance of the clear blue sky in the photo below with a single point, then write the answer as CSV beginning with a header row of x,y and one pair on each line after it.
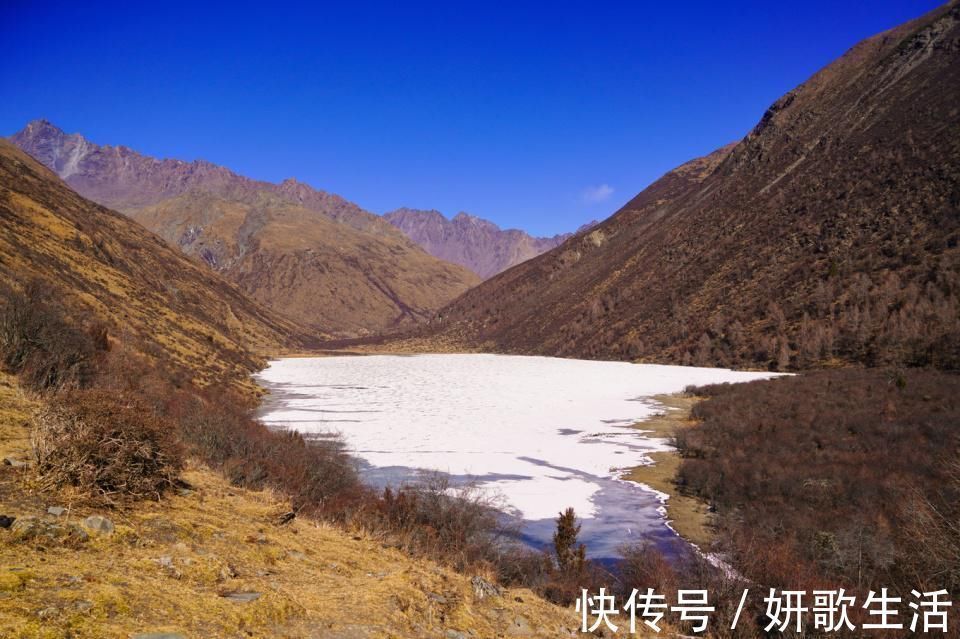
x,y
538,116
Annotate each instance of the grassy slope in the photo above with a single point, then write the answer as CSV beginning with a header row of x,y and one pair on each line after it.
x,y
102,265
314,580
320,272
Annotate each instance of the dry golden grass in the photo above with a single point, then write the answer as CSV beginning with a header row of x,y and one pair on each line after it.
x,y
168,565
687,515
15,414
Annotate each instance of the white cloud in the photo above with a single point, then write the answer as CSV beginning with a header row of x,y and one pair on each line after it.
x,y
595,194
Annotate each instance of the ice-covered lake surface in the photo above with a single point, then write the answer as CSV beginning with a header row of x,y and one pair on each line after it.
x,y
543,433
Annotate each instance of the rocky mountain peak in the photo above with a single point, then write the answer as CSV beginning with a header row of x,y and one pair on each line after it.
x,y
471,241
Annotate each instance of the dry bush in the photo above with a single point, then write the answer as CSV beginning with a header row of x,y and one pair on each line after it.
x,y
112,447
316,473
460,525
644,566
522,566
936,528
41,346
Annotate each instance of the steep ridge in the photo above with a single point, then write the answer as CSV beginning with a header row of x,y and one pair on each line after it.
x,y
314,256
480,245
830,233
100,264
326,275
122,179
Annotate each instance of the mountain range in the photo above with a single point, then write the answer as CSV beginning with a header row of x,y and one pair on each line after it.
x,y
473,242
312,256
829,234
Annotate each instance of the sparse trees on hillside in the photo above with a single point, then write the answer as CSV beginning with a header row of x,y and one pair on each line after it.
x,y
843,475
37,342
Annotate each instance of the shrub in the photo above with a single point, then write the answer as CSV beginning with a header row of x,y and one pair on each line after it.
x,y
644,566
460,525
39,344
524,567
109,446
841,476
315,472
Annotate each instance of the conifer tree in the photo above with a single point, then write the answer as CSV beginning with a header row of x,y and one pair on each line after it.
x,y
571,556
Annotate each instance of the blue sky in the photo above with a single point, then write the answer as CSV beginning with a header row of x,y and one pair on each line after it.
x,y
538,116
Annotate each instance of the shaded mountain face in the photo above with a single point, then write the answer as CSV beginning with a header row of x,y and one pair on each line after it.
x,y
829,233
314,256
478,244
100,264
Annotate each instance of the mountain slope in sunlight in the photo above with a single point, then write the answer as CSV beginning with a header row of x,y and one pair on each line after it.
x,y
102,264
829,233
325,274
313,256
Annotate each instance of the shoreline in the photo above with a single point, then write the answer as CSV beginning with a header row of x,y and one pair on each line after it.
x,y
686,516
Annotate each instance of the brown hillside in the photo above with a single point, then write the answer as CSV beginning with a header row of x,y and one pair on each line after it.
x,y
830,232
322,273
101,264
313,256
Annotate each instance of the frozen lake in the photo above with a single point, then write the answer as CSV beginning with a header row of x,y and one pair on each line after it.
x,y
544,433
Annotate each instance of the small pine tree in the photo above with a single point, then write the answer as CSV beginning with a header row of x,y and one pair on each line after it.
x,y
571,557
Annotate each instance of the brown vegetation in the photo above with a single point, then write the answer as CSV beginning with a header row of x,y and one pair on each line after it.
x,y
113,446
844,477
829,234
644,566
37,344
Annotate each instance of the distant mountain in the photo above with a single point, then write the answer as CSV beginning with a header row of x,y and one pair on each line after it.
x,y
831,233
99,264
314,256
323,273
124,180
480,245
